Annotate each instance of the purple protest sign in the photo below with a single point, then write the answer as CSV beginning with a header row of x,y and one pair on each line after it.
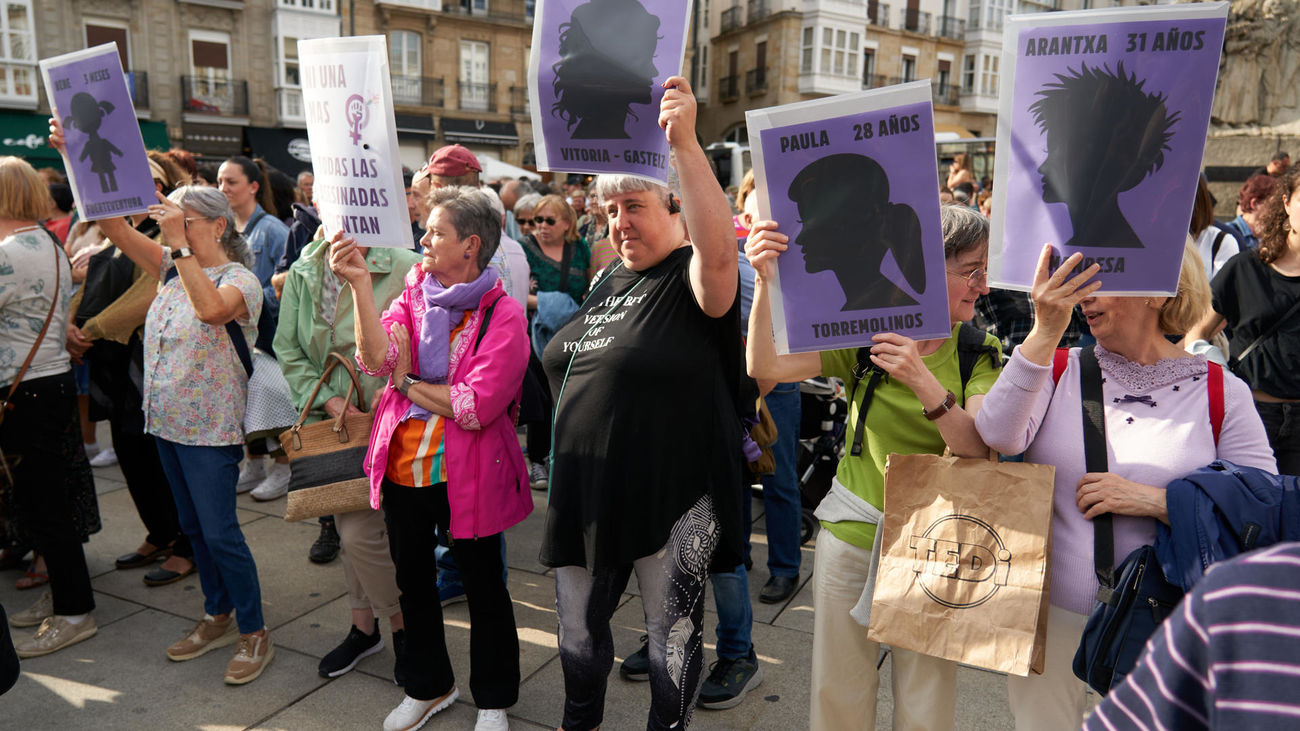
x,y
595,78
1102,126
105,155
852,181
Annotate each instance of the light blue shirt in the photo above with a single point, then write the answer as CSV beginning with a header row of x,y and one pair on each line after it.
x,y
266,237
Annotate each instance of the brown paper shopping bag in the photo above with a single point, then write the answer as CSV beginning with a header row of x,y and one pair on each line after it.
x,y
963,560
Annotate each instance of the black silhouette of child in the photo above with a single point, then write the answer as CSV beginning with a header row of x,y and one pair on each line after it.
x,y
1104,136
606,65
87,114
849,225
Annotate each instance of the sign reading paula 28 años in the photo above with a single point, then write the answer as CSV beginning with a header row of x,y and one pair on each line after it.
x,y
852,181
594,80
349,108
1102,122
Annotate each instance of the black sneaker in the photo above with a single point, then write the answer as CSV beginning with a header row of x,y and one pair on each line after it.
x,y
637,665
399,651
354,647
730,678
326,547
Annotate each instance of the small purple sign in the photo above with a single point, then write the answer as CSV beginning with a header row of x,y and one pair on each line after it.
x,y
105,154
595,78
1108,119
856,195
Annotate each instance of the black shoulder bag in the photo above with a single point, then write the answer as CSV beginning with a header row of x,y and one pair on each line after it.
x,y
1133,599
1235,361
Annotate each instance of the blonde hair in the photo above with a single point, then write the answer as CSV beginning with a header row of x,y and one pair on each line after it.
x,y
1180,312
24,195
563,210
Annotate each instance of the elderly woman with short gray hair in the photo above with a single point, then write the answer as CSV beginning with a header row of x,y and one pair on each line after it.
x,y
195,389
443,450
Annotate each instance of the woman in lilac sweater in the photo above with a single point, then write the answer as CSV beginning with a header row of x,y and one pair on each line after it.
x,y
1157,430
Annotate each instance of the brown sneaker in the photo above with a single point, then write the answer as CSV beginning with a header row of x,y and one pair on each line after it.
x,y
56,633
36,613
251,658
209,634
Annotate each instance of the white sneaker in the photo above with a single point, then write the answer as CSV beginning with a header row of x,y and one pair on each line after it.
x,y
250,474
275,485
492,719
412,714
106,457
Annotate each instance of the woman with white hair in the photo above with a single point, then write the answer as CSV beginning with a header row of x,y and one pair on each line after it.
x,y
625,494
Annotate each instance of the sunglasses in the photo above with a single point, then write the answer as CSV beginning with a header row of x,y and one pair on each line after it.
x,y
976,278
539,220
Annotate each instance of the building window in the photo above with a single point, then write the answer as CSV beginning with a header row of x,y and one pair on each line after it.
x,y
989,75
704,14
475,87
806,62
868,68
968,73
322,5
404,53
530,8
945,76
17,51
289,62
909,68
837,53
702,85
99,32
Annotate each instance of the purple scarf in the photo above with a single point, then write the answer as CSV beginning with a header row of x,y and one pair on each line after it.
x,y
443,306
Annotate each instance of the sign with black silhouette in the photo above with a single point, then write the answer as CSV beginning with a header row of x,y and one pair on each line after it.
x,y
348,103
852,180
594,82
105,154
1102,126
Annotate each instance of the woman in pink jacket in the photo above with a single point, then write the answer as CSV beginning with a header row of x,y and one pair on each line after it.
x,y
443,449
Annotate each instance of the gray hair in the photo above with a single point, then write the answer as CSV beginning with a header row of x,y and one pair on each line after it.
x,y
471,215
608,186
964,229
526,203
211,203
494,200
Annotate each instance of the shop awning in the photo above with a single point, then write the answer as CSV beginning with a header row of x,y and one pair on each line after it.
x,y
25,135
285,149
418,124
213,140
478,131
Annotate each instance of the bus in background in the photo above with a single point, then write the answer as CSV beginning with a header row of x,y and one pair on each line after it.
x,y
979,150
730,162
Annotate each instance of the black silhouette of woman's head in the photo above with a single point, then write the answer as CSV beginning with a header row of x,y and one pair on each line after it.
x,y
848,224
86,114
1105,134
606,65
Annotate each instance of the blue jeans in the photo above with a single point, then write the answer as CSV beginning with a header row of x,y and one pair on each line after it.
x,y
781,503
731,596
203,481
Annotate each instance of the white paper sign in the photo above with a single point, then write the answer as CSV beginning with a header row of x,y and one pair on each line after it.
x,y
349,107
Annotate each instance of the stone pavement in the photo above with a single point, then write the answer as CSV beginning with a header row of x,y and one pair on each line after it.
x,y
120,679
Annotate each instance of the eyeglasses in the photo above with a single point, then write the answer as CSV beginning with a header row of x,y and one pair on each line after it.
x,y
977,278
193,218
539,220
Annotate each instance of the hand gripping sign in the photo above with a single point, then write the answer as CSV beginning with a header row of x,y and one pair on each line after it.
x,y
1101,128
105,155
349,107
852,180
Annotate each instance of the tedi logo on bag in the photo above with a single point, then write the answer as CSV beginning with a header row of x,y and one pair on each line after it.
x,y
960,561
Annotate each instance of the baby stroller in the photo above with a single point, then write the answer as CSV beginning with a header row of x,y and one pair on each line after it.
x,y
821,443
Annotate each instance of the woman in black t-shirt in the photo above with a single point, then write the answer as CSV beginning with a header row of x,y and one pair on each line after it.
x,y
1254,293
646,453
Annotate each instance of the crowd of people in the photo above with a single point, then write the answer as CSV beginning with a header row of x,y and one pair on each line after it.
x,y
580,314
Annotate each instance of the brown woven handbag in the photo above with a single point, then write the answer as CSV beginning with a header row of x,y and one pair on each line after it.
x,y
326,458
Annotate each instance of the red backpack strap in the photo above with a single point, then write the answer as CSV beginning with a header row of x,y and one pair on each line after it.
x,y
1060,359
1214,382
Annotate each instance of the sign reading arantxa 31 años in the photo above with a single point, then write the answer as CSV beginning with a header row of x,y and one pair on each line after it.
x,y
1101,129
852,181
349,106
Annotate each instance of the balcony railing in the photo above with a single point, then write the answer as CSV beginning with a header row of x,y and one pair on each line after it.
x,y
757,11
477,97
948,94
875,81
756,81
290,104
915,21
218,97
519,101
731,19
728,88
878,14
950,27
418,91
138,83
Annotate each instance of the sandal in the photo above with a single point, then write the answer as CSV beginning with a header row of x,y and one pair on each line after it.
x,y
32,579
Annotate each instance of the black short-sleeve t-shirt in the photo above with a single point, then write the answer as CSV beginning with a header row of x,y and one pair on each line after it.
x,y
1251,296
645,419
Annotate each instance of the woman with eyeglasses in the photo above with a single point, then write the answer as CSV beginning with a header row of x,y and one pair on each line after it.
x,y
913,411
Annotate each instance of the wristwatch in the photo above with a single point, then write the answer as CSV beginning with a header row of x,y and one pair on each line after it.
x,y
407,381
181,252
949,401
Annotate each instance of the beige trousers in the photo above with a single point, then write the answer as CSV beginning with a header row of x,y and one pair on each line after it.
x,y
367,564
844,677
1056,699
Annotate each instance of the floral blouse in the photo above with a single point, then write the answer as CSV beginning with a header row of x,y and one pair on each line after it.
x,y
195,388
27,271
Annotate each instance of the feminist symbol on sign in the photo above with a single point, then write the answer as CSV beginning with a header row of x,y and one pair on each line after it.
x,y
357,116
